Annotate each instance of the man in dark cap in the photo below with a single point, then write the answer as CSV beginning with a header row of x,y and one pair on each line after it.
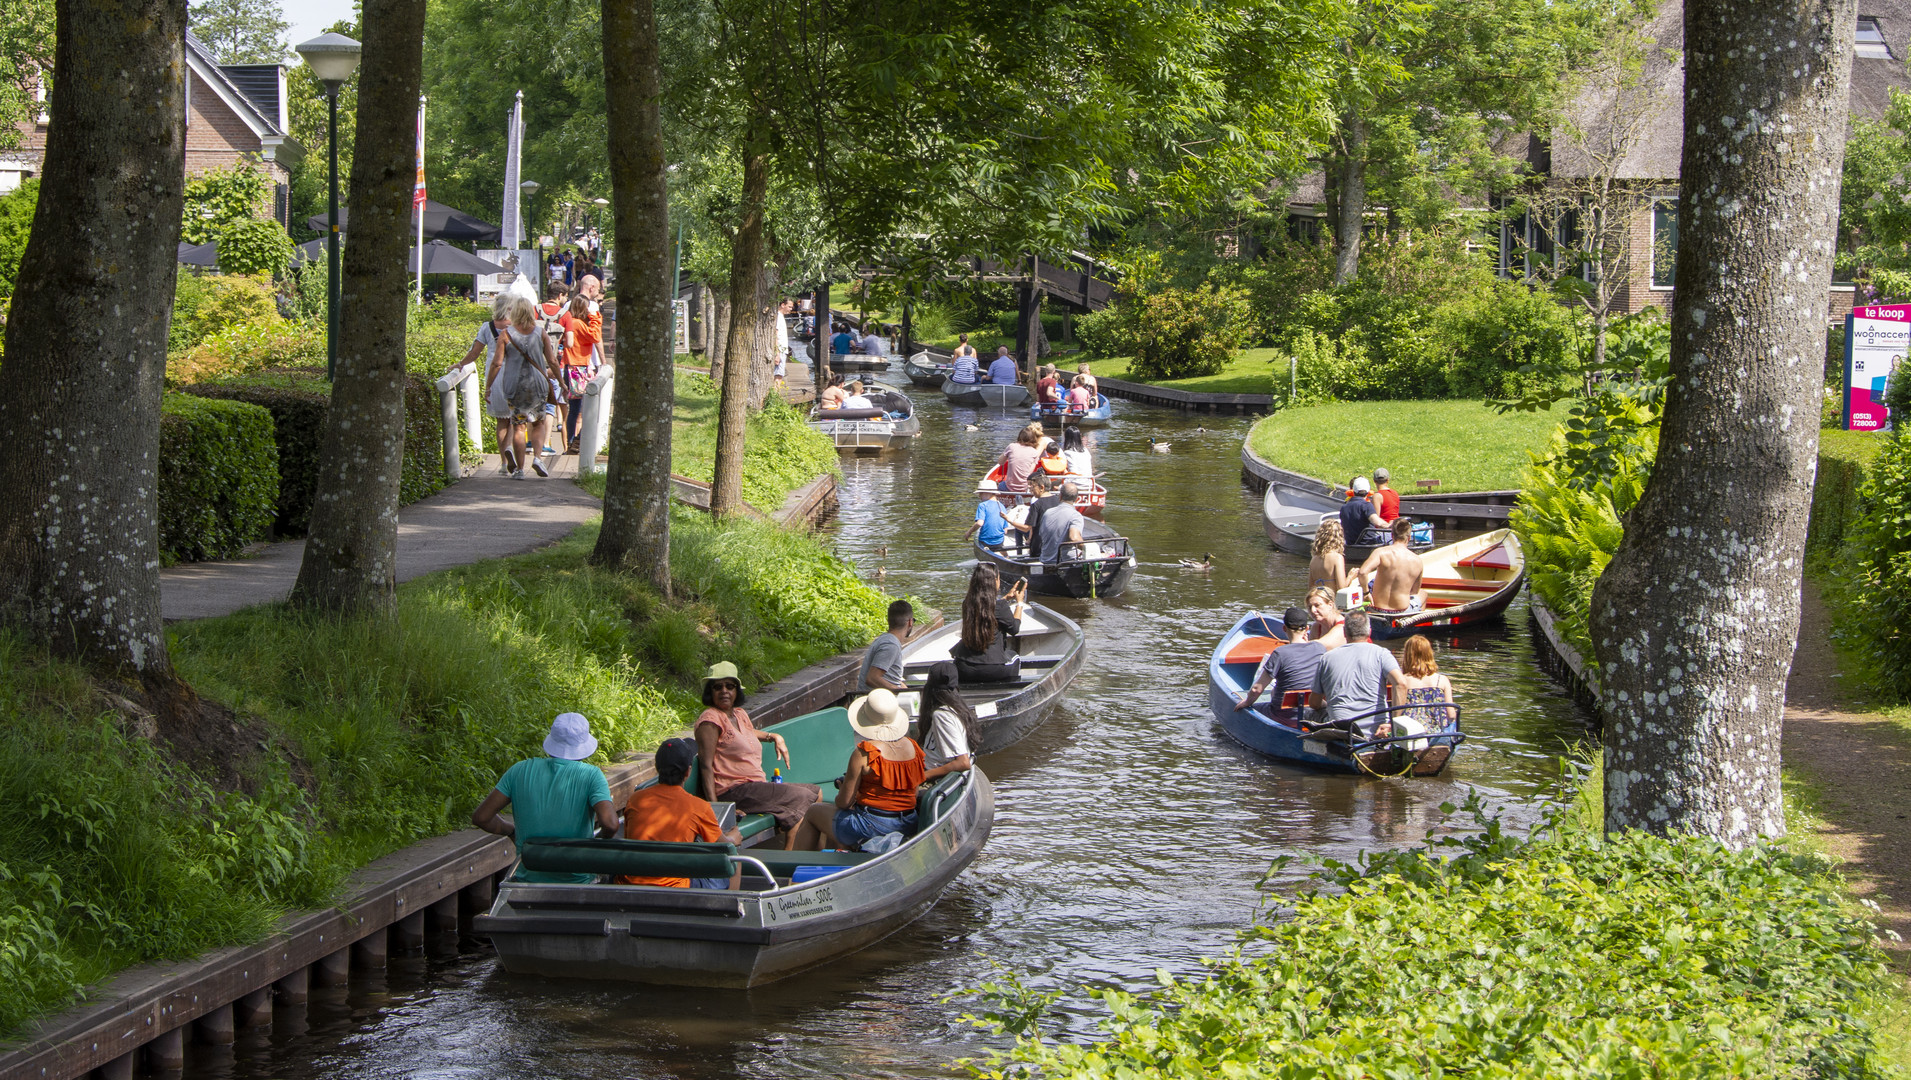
x,y
1288,668
665,811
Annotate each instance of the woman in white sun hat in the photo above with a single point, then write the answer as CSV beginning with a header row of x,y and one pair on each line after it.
x,y
876,798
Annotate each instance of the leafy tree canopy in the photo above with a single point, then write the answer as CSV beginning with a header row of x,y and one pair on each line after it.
x,y
26,56
241,31
305,99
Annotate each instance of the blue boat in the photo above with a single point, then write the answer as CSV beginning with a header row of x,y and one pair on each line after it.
x,y
1279,732
1055,412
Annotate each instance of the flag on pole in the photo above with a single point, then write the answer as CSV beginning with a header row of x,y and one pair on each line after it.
x,y
512,230
418,188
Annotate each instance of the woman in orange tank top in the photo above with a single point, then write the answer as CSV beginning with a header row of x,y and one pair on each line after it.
x,y
875,807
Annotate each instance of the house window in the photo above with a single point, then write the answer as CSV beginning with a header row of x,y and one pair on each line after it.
x,y
1665,242
1871,41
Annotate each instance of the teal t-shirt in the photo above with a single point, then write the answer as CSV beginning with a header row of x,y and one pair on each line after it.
x,y
552,797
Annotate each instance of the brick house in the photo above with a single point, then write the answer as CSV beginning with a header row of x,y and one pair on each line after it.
x,y
234,112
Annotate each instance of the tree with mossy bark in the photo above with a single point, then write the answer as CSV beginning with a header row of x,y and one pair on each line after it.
x,y
79,556
636,530
1695,619
351,556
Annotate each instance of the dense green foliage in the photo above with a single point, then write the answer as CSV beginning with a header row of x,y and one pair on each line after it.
x,y
1837,494
16,224
1187,333
206,304
381,732
115,854
254,247
1571,956
781,452
297,402
1874,616
1462,444
231,206
1570,524
218,477
26,54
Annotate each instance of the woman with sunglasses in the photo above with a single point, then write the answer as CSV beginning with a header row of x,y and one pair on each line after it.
x,y
730,757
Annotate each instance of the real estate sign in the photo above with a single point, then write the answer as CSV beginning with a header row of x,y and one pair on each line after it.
x,y
1876,342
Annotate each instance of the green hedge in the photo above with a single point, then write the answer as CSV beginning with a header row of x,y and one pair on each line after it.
x,y
218,477
1874,614
297,401
1835,504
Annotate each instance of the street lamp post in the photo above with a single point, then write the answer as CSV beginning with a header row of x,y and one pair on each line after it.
x,y
333,58
597,226
529,188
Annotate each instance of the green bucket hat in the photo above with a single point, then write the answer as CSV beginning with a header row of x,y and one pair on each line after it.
x,y
723,669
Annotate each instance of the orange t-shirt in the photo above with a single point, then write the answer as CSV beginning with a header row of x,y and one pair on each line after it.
x,y
739,758
667,812
889,785
583,337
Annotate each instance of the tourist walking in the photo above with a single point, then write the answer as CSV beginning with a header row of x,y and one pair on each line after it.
x,y
517,383
583,333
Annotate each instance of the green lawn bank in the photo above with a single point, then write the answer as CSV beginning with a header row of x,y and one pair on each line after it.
x,y
372,734
1463,444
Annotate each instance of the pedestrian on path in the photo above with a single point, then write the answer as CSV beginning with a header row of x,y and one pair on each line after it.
x,y
583,334
517,384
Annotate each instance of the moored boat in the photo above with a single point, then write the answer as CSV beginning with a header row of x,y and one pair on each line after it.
x,y
1057,413
999,395
1291,516
1051,648
926,372
857,362
795,910
1100,568
1461,583
891,425
1275,729
1091,497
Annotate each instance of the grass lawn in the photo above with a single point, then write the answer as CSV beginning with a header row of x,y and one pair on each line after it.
x,y
1248,373
1463,444
1858,446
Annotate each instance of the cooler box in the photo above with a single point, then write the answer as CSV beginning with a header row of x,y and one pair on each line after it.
x,y
804,874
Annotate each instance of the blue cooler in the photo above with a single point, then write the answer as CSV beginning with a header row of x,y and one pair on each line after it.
x,y
804,874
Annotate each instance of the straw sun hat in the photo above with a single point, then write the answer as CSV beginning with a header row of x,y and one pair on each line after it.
x,y
879,716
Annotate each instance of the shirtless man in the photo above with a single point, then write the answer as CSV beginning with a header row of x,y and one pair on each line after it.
x,y
1392,573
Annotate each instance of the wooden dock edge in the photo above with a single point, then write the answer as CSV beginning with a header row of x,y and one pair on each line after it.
x,y
434,885
1459,509
1186,400
1558,658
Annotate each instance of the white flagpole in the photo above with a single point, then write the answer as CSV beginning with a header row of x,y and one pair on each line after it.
x,y
514,146
418,203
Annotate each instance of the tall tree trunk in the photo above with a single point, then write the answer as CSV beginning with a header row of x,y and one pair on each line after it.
x,y
762,372
351,556
1695,620
1350,197
746,321
636,531
79,540
719,333
823,333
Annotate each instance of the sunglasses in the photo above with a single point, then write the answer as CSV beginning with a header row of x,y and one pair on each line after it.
x,y
729,684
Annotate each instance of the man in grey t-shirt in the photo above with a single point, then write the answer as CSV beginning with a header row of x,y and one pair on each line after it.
x,y
882,664
1061,526
1352,681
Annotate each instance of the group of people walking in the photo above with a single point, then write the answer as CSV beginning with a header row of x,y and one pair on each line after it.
x,y
537,361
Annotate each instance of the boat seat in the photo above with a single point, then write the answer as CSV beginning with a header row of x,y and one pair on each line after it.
x,y
852,414
634,858
1493,558
1251,650
1030,660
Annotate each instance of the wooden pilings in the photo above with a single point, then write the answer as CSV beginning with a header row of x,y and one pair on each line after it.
x,y
145,1016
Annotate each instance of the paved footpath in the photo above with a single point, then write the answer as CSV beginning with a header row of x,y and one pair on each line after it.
x,y
485,516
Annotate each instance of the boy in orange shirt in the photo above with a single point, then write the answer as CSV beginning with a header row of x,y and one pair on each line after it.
x,y
665,811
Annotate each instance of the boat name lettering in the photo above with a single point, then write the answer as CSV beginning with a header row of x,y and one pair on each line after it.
x,y
816,902
1314,746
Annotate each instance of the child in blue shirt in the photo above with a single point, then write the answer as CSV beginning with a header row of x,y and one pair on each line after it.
x,y
990,520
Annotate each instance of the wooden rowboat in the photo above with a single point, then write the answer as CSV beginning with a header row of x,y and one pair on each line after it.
x,y
1461,583
1051,647
926,372
1091,500
1280,732
1056,414
1291,517
785,918
999,395
1101,568
857,362
871,431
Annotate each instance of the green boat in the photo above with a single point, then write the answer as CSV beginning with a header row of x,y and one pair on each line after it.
x,y
795,910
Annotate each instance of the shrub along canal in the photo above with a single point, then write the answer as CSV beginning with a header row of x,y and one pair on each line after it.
x,y
1130,832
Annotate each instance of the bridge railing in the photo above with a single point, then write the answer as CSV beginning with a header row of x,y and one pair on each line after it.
x,y
596,423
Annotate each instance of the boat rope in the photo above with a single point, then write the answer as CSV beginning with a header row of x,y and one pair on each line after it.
x,y
1360,761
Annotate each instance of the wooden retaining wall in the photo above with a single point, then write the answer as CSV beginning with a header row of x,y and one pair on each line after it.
x,y
1560,659
1185,400
1458,510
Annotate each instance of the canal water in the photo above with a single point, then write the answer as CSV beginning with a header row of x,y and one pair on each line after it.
x,y
1130,835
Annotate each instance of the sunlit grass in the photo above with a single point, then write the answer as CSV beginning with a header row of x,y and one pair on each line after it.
x,y
1249,372
1463,444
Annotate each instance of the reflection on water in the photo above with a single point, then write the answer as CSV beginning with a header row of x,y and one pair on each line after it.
x,y
1130,831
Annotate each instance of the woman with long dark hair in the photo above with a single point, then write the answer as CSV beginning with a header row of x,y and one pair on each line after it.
x,y
986,652
949,734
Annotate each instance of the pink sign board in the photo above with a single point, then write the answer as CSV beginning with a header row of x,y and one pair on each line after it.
x,y
1877,340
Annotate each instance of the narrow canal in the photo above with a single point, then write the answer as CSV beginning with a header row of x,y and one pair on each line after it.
x,y
1130,832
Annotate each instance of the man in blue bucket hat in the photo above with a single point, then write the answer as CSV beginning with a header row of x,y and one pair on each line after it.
x,y
558,797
